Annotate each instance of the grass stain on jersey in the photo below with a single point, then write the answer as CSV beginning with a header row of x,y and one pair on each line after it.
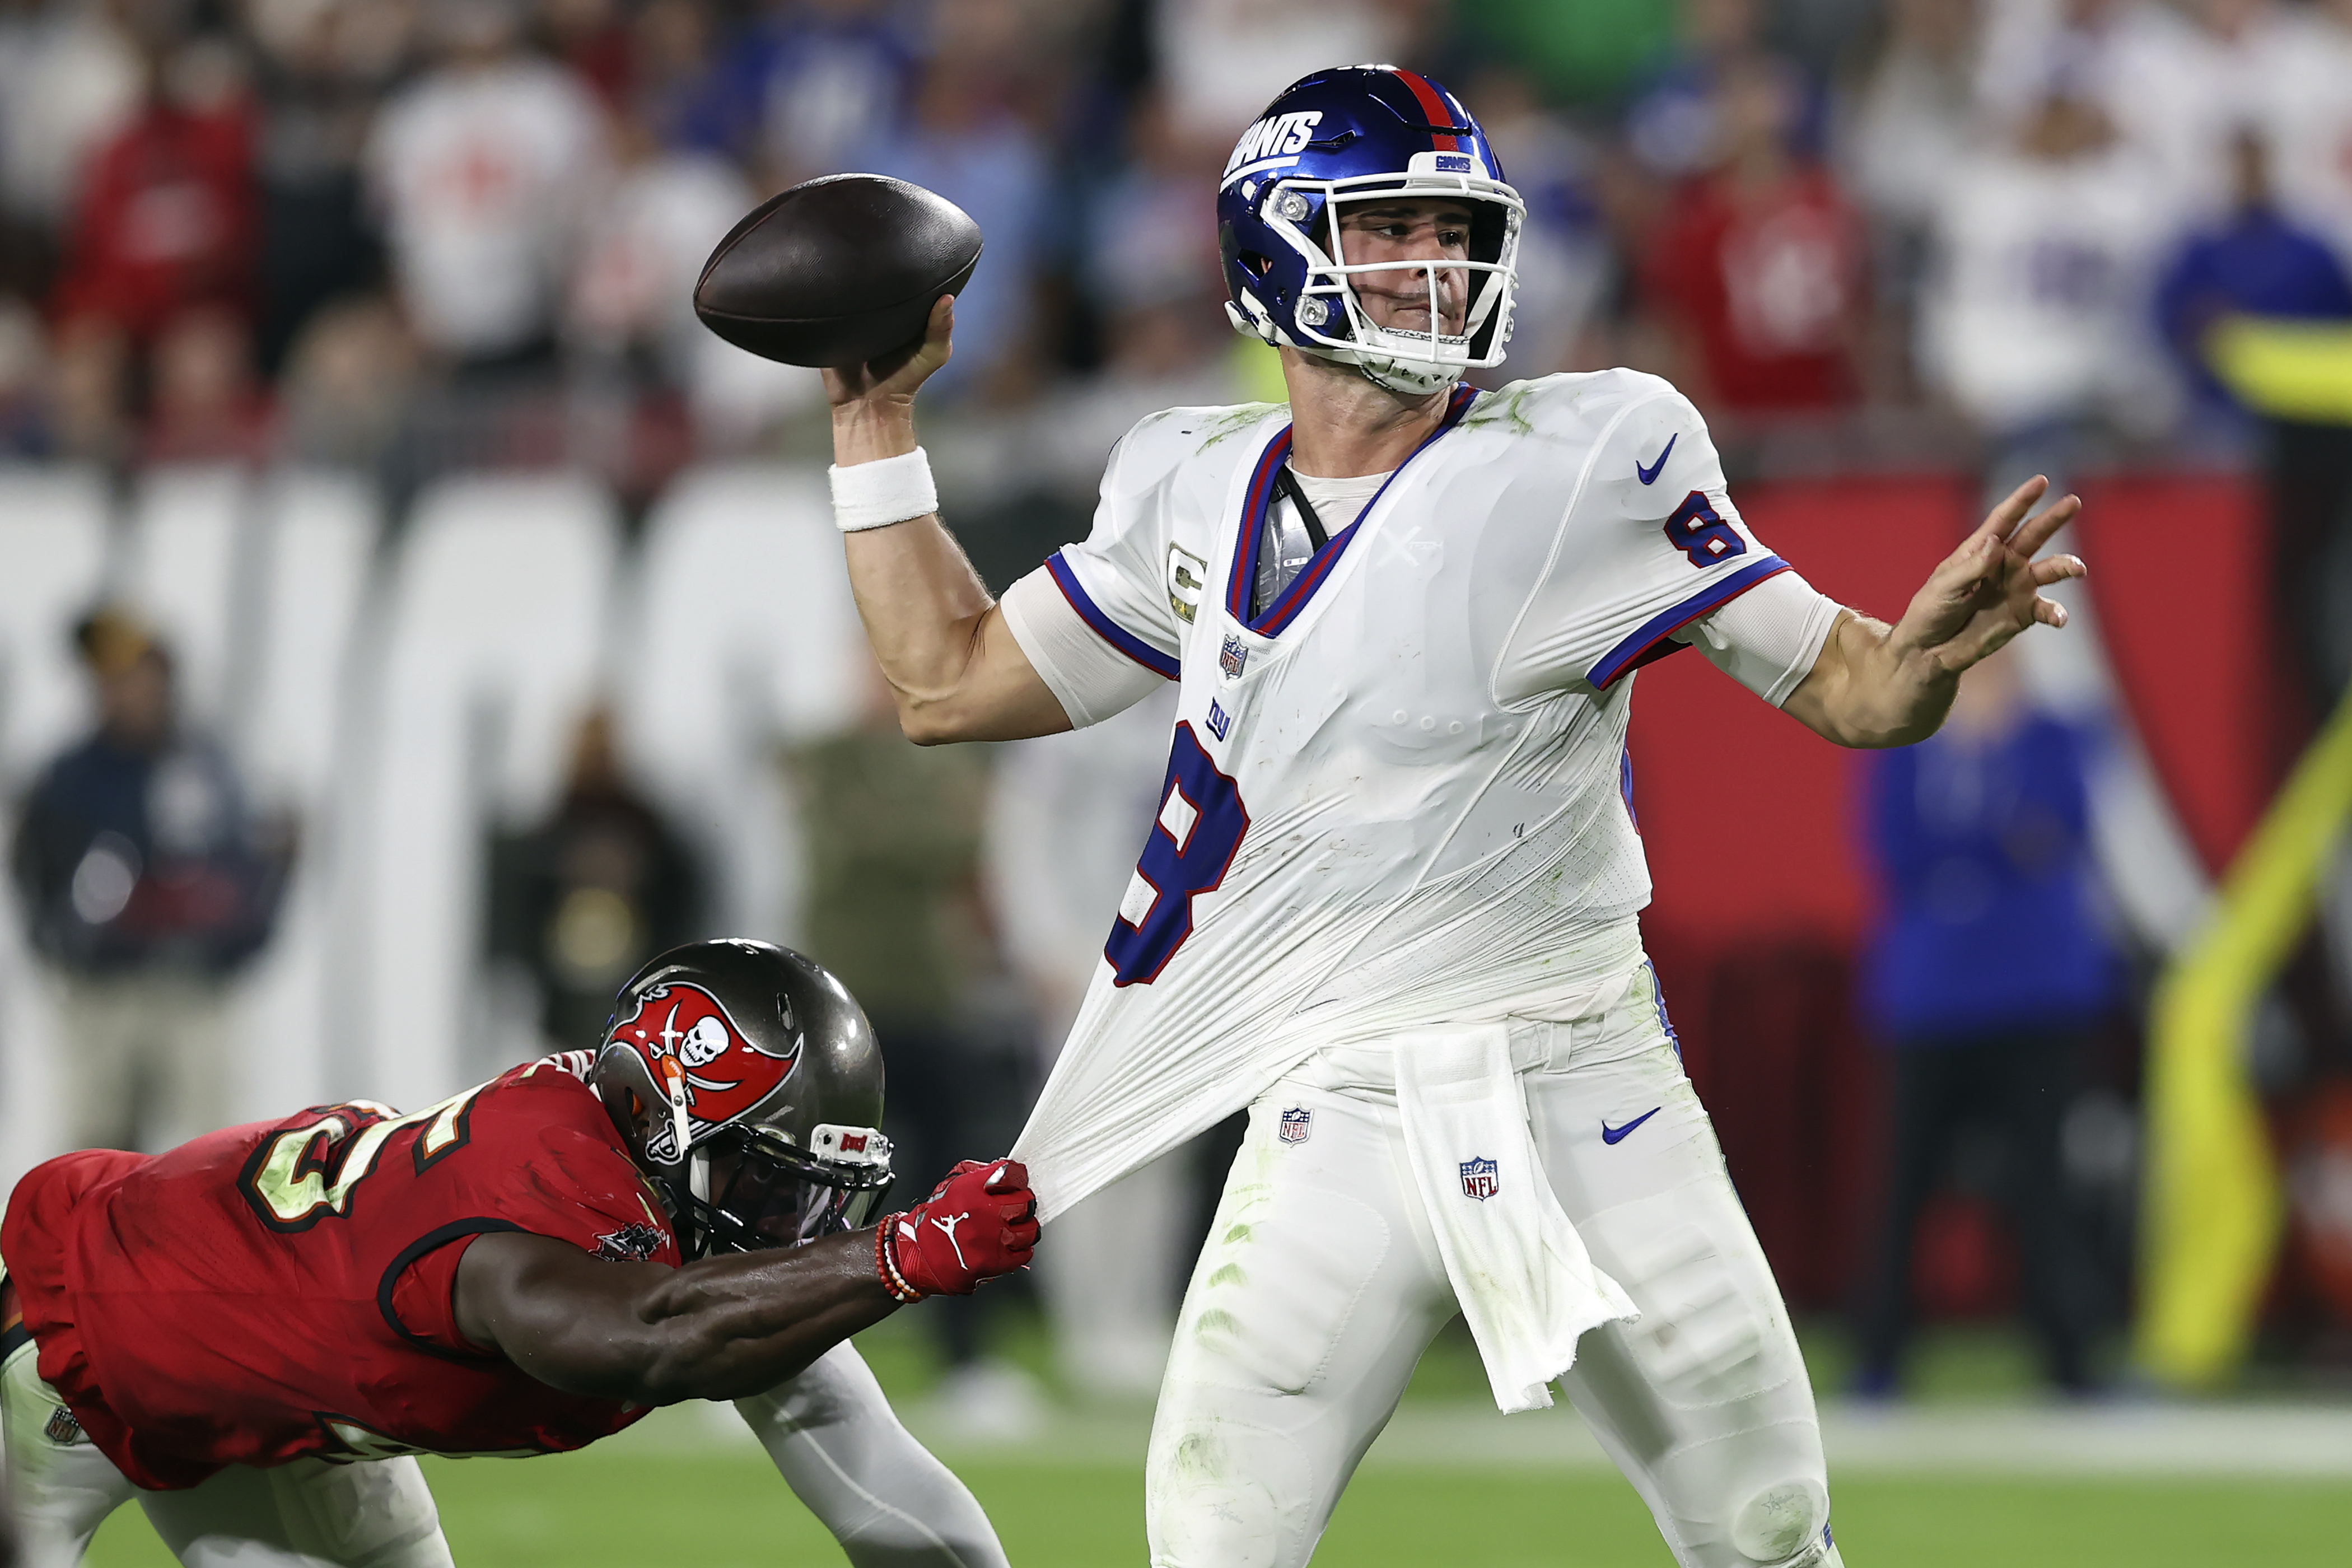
x,y
1231,422
1503,407
1231,1274
1238,1234
1216,1320
1200,1457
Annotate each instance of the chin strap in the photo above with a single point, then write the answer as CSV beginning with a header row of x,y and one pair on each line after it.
x,y
1391,376
674,1085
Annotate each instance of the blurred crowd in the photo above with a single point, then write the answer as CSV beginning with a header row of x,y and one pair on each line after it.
x,y
457,232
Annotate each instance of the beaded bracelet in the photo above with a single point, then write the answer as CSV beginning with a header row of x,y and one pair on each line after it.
x,y
885,1266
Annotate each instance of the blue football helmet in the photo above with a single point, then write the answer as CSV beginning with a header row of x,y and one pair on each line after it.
x,y
1359,134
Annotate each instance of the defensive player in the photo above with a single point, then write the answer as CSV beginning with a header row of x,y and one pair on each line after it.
x,y
223,1329
1388,903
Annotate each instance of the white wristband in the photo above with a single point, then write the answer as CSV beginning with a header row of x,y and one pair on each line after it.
x,y
877,494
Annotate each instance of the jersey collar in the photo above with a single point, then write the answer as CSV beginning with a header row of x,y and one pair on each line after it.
x,y
1259,496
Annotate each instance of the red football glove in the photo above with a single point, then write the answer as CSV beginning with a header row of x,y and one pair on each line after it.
x,y
978,1224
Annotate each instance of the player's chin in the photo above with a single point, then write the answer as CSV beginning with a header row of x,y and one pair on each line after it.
x,y
1410,319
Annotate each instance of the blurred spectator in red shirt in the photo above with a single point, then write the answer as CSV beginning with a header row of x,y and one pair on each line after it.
x,y
592,37
167,219
1757,269
203,404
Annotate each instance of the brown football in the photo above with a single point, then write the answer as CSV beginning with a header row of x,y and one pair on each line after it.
x,y
837,271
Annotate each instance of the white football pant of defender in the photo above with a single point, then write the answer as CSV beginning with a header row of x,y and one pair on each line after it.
x,y
831,1433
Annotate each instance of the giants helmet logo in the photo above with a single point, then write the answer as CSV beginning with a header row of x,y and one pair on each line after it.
x,y
725,1074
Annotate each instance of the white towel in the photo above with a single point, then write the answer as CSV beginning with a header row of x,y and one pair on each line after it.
x,y
1525,1285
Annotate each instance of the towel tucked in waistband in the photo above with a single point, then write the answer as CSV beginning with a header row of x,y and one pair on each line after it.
x,y
1525,1285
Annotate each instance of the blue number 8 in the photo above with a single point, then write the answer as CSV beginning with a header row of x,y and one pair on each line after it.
x,y
1202,820
1698,530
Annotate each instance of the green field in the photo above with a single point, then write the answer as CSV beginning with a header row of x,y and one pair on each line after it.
x,y
679,1488
730,1511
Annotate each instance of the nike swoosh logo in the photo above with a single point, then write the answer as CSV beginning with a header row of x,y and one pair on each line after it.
x,y
1617,1134
1650,474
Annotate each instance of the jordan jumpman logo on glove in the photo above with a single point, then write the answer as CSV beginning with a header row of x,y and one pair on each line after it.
x,y
980,1223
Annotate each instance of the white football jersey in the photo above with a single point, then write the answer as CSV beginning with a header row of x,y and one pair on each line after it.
x,y
1398,798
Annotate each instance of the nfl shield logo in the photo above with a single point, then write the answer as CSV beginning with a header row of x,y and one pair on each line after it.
x,y
1478,1179
1297,1123
1232,657
65,1428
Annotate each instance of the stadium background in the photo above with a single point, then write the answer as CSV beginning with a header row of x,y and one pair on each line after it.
x,y
345,341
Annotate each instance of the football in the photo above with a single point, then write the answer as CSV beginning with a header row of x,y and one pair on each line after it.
x,y
837,271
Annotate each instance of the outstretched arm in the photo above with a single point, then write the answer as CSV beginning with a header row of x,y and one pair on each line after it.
x,y
1875,685
951,662
723,1328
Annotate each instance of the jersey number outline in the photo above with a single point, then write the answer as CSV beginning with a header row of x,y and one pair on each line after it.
x,y
301,1176
1193,842
1698,530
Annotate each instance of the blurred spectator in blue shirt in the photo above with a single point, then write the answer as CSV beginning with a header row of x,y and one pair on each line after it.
x,y
146,882
1566,266
964,142
1990,965
2256,262
1674,125
801,92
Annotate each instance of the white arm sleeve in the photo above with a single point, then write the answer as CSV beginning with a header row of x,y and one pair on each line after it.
x,y
888,1502
1768,638
1090,678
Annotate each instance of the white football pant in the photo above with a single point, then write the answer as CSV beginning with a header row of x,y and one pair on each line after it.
x,y
302,1515
1321,1285
830,1431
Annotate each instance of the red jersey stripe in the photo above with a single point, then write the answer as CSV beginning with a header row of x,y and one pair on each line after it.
x,y
1433,105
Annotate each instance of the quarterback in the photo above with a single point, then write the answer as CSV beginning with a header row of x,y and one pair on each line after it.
x,y
1388,903
251,1334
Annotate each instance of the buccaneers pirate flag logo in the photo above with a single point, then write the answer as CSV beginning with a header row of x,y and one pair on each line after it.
x,y
708,1065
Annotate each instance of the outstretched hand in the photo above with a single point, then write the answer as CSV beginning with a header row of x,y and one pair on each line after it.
x,y
1874,685
1989,589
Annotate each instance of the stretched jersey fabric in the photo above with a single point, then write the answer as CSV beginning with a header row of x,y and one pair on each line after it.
x,y
1398,797
283,1288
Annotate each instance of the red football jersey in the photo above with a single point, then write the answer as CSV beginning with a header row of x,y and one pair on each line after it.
x,y
283,1288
